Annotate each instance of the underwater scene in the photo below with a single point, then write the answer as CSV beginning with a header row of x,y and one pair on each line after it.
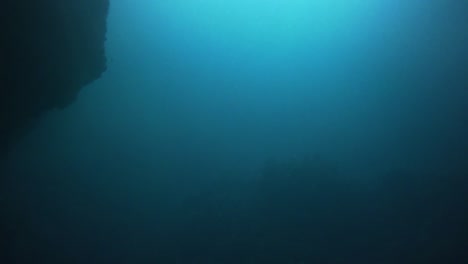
x,y
256,131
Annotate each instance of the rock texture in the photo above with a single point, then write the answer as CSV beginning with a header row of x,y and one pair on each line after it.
x,y
49,50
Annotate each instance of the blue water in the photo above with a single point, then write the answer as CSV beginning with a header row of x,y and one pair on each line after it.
x,y
257,131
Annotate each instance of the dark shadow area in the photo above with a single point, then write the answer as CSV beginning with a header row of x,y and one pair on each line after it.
x,y
50,50
296,211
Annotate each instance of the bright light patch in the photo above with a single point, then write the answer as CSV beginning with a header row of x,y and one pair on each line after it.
x,y
268,18
261,30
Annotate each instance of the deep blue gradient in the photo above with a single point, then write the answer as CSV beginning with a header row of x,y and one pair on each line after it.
x,y
164,159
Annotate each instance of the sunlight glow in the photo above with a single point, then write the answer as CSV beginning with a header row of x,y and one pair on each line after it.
x,y
268,18
262,31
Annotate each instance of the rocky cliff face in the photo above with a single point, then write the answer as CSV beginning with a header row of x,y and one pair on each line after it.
x,y
49,50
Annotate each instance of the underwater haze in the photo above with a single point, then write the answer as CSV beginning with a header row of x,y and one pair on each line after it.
x,y
257,131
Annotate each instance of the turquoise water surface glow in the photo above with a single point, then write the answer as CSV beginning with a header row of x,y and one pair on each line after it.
x,y
272,29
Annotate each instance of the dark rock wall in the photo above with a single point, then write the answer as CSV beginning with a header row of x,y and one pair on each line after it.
x,y
49,50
